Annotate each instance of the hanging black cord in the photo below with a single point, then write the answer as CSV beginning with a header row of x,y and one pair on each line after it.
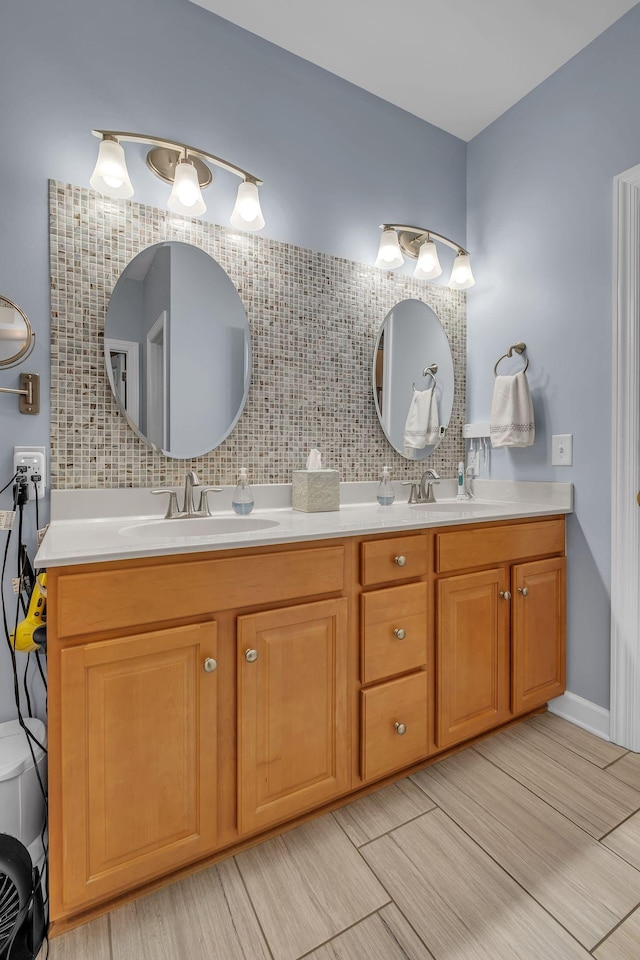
x,y
35,489
9,484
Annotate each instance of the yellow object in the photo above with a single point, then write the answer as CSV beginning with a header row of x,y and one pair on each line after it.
x,y
23,637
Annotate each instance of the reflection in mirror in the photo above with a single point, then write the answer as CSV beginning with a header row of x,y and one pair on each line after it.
x,y
413,404
178,349
17,339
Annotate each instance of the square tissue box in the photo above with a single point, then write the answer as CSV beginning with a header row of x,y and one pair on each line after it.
x,y
315,491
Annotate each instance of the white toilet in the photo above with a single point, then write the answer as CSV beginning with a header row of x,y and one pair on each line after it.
x,y
22,806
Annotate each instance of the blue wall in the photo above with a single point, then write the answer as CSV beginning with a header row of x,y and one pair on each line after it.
x,y
540,194
336,161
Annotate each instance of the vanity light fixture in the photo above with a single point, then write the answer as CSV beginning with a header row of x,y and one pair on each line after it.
x,y
180,165
418,243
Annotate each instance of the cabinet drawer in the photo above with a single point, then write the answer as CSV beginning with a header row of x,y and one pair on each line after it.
x,y
461,549
129,596
402,609
402,701
400,558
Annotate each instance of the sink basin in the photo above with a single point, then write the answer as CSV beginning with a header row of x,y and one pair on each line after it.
x,y
195,527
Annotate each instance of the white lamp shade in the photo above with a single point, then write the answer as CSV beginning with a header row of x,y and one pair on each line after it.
x,y
186,196
389,254
461,275
247,214
428,266
110,175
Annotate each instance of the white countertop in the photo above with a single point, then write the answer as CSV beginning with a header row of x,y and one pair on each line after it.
x,y
94,526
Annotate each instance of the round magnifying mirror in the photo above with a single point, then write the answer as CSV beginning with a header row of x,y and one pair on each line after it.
x,y
178,349
17,339
413,405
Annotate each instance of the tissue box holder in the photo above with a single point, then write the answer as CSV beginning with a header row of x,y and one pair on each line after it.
x,y
315,491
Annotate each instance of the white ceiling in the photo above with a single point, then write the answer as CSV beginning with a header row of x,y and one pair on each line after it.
x,y
458,64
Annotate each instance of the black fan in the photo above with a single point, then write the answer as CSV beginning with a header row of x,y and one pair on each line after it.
x,y
21,908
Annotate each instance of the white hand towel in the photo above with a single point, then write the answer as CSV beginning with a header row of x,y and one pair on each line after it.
x,y
512,422
422,426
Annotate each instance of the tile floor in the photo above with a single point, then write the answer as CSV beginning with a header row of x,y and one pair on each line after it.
x,y
524,846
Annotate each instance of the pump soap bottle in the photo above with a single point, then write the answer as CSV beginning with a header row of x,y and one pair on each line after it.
x,y
386,494
242,501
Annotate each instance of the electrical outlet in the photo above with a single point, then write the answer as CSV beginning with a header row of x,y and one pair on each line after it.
x,y
562,450
35,461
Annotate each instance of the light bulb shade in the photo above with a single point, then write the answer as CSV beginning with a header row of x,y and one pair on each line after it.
x,y
110,176
389,253
186,196
461,275
247,214
428,266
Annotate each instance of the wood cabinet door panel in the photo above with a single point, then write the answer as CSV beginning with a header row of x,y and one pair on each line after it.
x,y
293,747
138,796
538,645
472,655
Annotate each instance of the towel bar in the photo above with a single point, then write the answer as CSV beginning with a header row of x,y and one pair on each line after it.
x,y
518,347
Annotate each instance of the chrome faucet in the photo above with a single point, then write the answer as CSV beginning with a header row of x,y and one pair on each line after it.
x,y
429,477
191,481
422,491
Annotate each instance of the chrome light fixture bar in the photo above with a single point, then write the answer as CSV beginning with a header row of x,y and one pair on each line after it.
x,y
418,243
185,167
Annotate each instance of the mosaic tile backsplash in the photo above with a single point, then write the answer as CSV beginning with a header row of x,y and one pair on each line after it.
x,y
314,320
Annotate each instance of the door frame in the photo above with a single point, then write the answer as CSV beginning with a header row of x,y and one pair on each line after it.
x,y
131,349
157,383
624,715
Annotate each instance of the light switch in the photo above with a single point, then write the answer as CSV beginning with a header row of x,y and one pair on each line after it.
x,y
562,450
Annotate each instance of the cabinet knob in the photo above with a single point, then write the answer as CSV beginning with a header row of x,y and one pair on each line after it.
x,y
524,591
400,560
505,594
401,728
399,633
251,656
210,665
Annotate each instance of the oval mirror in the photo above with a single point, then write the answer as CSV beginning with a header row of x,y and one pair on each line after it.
x,y
178,349
413,380
17,339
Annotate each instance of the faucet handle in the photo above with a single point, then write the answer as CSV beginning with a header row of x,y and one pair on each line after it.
x,y
203,506
414,496
172,508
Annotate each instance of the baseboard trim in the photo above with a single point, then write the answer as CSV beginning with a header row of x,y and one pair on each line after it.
x,y
583,713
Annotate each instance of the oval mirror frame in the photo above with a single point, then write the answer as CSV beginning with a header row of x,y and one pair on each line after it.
x,y
178,345
411,338
15,329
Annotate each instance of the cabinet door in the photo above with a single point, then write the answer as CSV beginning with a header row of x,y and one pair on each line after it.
x,y
394,725
138,734
293,747
472,655
538,643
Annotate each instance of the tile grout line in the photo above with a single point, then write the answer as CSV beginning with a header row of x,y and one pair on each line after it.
x,y
391,829
110,932
309,953
613,929
617,826
566,746
391,900
526,892
543,799
253,907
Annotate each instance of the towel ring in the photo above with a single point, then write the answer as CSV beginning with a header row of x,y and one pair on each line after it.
x,y
518,347
429,371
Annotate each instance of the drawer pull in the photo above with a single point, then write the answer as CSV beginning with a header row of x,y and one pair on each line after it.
x,y
399,633
524,591
401,728
505,594
210,665
251,656
400,560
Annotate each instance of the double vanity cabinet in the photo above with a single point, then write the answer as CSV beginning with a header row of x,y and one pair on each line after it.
x,y
199,701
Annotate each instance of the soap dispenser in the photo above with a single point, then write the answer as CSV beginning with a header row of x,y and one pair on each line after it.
x,y
386,494
242,501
